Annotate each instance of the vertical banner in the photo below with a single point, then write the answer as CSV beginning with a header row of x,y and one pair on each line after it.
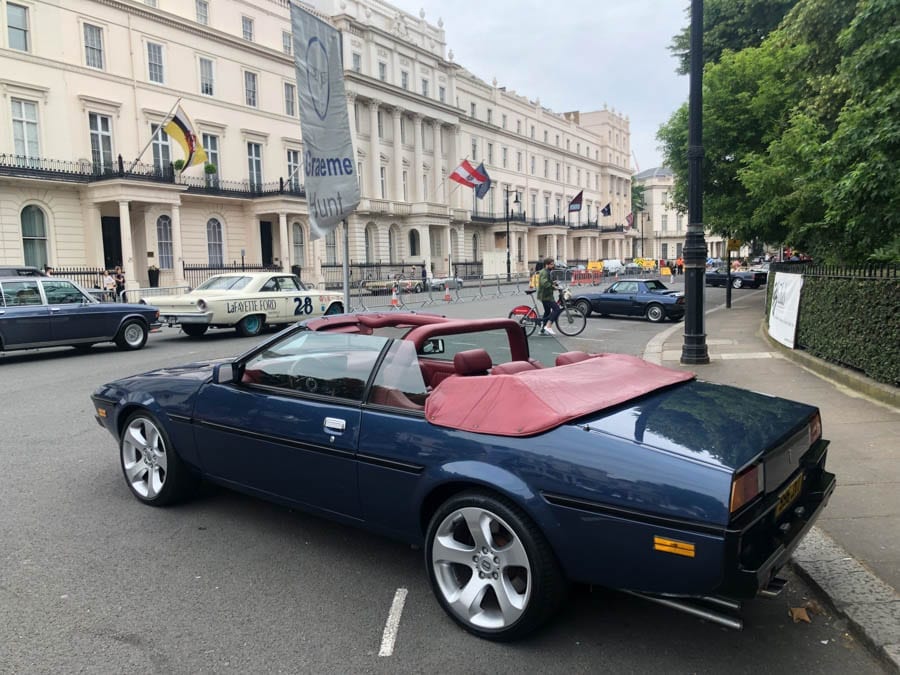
x,y
332,186
785,307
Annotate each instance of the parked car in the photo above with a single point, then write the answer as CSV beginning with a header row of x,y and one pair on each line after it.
x,y
649,298
386,286
613,267
515,466
247,302
439,283
43,311
739,278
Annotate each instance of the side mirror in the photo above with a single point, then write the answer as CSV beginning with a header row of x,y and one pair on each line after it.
x,y
224,373
433,346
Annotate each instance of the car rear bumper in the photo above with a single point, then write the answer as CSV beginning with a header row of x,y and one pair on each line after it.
x,y
172,318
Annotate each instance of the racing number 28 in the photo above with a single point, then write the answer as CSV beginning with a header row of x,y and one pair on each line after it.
x,y
304,306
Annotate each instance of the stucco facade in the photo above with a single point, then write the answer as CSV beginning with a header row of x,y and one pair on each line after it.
x,y
661,227
85,83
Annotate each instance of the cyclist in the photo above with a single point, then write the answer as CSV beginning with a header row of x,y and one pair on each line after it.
x,y
545,293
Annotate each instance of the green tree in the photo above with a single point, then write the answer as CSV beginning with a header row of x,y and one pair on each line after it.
x,y
730,25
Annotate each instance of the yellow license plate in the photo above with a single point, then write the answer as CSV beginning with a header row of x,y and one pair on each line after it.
x,y
790,493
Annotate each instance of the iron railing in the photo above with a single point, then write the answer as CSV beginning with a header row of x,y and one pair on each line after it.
x,y
195,274
868,271
86,277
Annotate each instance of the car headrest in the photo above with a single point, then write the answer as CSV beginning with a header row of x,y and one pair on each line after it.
x,y
512,367
566,358
472,362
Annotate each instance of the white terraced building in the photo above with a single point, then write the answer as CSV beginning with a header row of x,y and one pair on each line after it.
x,y
85,83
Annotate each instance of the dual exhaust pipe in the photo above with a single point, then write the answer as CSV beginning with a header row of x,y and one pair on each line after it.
x,y
712,608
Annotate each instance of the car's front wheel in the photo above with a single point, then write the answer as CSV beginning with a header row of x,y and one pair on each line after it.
x,y
250,326
584,306
194,329
153,471
655,313
132,335
490,567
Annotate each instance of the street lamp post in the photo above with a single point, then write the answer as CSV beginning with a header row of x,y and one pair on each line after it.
x,y
506,192
694,349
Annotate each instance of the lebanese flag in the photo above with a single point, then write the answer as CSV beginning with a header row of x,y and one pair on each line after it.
x,y
468,175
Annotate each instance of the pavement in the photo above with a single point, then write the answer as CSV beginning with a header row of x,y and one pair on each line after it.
x,y
853,553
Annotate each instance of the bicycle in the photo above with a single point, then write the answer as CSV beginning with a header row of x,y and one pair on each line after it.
x,y
571,320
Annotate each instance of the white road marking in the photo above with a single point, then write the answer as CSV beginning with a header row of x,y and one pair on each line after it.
x,y
393,623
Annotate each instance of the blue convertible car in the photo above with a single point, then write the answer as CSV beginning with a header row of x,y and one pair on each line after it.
x,y
50,312
517,470
649,298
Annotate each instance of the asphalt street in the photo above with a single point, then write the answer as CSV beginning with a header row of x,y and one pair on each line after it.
x,y
92,581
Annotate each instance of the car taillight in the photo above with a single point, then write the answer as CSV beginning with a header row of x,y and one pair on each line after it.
x,y
746,486
201,305
815,428
157,315
680,300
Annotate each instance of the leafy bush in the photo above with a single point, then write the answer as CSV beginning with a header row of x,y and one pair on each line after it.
x,y
853,322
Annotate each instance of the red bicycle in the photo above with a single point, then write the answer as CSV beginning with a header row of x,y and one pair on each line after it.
x,y
571,320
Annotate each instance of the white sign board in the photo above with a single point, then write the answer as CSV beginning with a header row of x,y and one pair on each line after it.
x,y
332,186
785,307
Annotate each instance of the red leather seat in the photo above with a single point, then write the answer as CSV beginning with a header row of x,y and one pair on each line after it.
x,y
566,358
393,397
512,367
472,362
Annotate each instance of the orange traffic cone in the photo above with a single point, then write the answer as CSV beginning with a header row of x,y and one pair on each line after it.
x,y
447,297
395,301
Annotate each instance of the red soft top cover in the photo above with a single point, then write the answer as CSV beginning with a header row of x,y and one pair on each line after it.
x,y
536,401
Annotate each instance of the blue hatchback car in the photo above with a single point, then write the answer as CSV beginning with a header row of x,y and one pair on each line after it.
x,y
516,466
51,312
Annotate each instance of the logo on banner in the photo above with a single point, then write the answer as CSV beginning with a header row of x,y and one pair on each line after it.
x,y
317,80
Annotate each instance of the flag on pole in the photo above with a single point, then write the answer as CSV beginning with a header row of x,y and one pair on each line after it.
x,y
482,188
606,210
329,163
629,218
468,175
575,204
181,129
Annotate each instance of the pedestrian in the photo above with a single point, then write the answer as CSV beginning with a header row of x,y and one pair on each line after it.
x,y
545,293
120,280
424,276
48,270
679,265
109,282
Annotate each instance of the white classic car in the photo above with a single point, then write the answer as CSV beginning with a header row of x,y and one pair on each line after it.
x,y
247,301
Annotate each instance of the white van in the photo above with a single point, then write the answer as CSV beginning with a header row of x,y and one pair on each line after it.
x,y
611,267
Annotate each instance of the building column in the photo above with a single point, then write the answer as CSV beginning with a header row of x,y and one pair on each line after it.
x,y
177,248
128,267
416,183
425,247
397,116
283,242
438,163
452,162
375,159
354,137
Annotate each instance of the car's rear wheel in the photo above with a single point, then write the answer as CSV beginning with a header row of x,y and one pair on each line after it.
x,y
194,329
153,471
655,313
737,282
490,567
250,326
132,335
584,306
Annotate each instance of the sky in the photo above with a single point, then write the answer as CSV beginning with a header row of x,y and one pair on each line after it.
x,y
574,55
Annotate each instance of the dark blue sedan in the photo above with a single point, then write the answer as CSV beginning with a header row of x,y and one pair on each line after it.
x,y
50,312
516,470
649,298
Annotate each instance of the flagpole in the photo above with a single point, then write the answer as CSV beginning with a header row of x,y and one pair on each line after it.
x,y
158,128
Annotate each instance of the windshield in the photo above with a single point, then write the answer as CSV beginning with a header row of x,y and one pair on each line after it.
x,y
224,283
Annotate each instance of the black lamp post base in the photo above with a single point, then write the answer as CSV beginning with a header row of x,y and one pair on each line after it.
x,y
694,351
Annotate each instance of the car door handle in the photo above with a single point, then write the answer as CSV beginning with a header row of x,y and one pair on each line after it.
x,y
335,424
54,309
